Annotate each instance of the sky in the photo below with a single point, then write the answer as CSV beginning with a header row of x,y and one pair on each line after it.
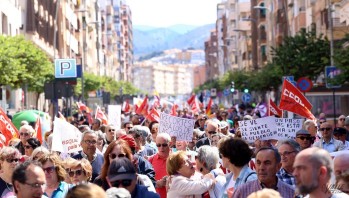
x,y
165,13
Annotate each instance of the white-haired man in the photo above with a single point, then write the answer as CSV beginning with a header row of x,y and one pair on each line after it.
x,y
25,132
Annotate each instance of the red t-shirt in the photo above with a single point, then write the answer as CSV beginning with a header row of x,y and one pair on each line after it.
x,y
159,165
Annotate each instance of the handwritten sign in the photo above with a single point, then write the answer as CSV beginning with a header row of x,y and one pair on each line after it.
x,y
114,115
182,128
262,128
66,137
287,128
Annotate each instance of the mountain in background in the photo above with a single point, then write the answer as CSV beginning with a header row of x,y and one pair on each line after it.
x,y
147,40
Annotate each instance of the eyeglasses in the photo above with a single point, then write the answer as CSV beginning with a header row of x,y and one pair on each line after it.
x,y
24,134
49,170
129,128
77,173
113,155
162,145
12,160
305,138
327,129
286,153
36,185
110,130
90,142
124,183
28,147
212,132
341,119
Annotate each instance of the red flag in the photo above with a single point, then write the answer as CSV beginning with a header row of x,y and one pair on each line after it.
x,y
208,107
126,106
293,100
153,115
191,100
143,109
174,110
83,107
273,109
6,127
195,107
99,114
38,129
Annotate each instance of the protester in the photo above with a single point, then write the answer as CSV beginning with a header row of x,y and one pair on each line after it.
x,y
211,128
96,124
207,162
39,152
9,158
304,139
265,193
201,120
86,191
312,170
89,151
55,175
25,132
180,169
127,126
30,145
80,171
328,142
109,134
29,180
311,127
236,154
340,133
114,192
101,142
267,164
341,121
288,150
341,163
13,142
140,135
154,128
122,173
342,182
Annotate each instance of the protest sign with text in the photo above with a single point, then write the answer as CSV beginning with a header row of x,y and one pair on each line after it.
x,y
6,127
114,115
287,128
182,128
66,137
262,129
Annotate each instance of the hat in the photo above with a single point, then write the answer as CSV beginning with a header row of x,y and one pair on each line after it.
x,y
130,140
346,122
223,124
302,132
339,131
121,168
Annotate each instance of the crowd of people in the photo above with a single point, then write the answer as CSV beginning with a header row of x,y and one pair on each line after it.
x,y
139,161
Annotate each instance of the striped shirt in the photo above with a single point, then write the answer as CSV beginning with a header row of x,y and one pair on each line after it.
x,y
286,177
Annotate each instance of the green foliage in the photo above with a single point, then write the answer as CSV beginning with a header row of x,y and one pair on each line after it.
x,y
341,59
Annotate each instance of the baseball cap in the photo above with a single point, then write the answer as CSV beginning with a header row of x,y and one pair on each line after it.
x,y
302,132
339,131
120,169
223,124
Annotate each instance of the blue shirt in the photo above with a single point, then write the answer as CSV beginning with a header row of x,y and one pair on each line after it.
x,y
330,147
286,177
61,191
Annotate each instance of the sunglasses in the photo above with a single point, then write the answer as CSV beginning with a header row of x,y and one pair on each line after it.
x,y
28,147
24,134
12,160
323,129
110,130
49,169
305,138
212,132
129,127
124,183
77,173
162,145
113,155
341,119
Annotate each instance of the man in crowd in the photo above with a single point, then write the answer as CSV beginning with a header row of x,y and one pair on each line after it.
x,y
267,165
288,150
328,142
29,180
211,128
96,124
25,132
310,126
341,121
304,139
140,135
341,163
201,120
340,134
89,152
312,170
127,126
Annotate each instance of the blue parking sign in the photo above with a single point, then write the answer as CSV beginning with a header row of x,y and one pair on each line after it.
x,y
65,68
331,72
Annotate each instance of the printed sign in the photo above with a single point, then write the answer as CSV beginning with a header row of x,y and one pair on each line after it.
x,y
66,137
65,68
114,115
182,128
262,128
287,128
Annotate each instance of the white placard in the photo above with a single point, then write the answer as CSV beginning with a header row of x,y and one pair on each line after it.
x,y
114,115
66,137
262,129
182,128
287,128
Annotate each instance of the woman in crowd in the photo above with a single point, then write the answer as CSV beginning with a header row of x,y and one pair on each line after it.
x,y
101,141
30,145
207,162
39,152
80,171
236,155
55,174
180,169
9,158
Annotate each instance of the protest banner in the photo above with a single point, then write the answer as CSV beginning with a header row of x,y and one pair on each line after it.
x,y
262,128
182,128
66,137
6,127
287,128
114,115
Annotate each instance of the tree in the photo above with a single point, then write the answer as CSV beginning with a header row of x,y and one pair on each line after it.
x,y
341,59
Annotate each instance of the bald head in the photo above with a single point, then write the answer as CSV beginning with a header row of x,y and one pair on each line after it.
x,y
341,163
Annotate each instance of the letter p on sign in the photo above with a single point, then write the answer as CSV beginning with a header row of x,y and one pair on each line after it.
x,y
65,68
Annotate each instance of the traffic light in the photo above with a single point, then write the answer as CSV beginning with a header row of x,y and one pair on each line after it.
x,y
245,90
232,87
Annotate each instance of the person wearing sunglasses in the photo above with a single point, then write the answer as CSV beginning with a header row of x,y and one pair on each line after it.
x,y
340,133
55,175
122,174
9,158
127,126
25,132
312,128
211,128
328,142
341,121
80,171
30,145
304,139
